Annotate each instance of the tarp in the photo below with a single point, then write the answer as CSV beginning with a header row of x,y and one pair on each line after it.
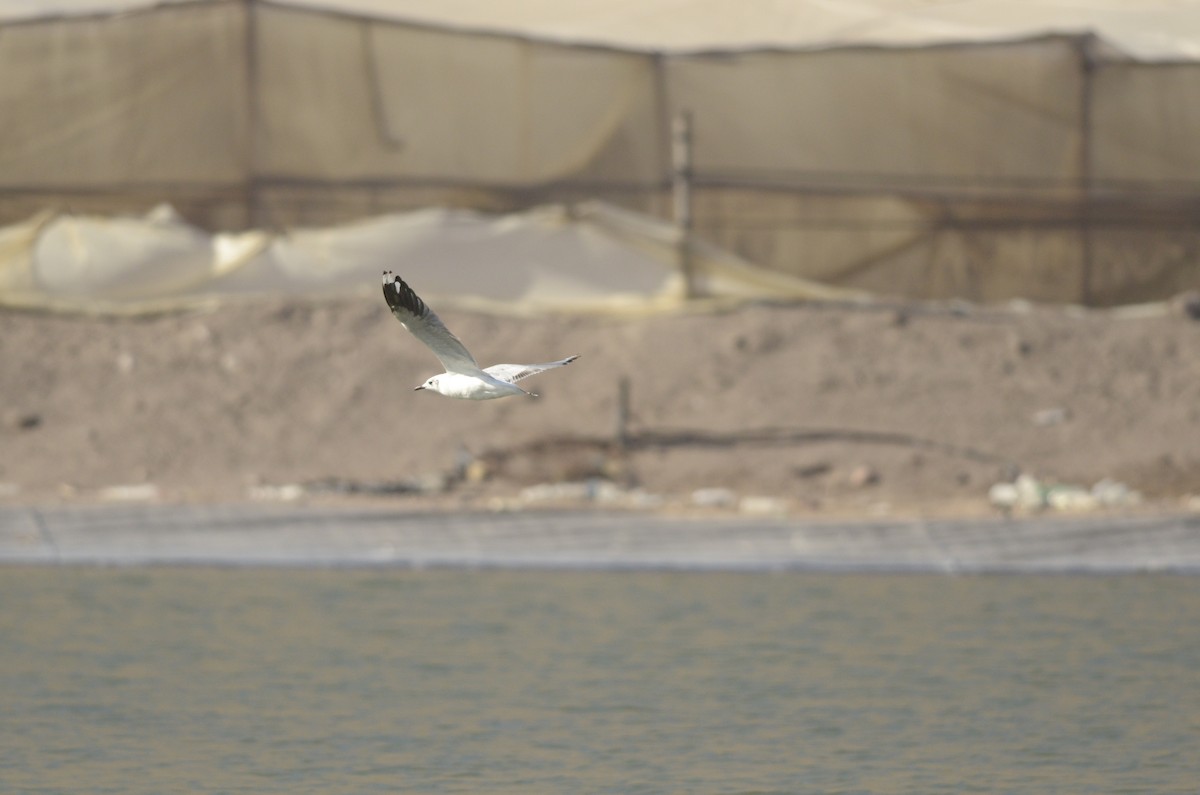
x,y
593,257
1152,30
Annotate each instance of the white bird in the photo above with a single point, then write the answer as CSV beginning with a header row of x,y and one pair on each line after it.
x,y
463,377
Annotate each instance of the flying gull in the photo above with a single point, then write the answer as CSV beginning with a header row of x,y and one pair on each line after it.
x,y
463,377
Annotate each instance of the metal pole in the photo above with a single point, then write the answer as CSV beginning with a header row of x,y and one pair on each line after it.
x,y
681,194
250,163
1087,67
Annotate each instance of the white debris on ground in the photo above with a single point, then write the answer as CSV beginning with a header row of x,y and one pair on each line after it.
x,y
135,492
594,490
756,505
1027,493
721,498
288,492
714,497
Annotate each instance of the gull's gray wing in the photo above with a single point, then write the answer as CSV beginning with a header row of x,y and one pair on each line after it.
x,y
419,319
511,373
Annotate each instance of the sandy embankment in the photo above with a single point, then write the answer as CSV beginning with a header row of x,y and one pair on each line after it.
x,y
828,410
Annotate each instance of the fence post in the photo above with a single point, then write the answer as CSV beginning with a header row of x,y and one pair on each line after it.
x,y
1087,68
622,429
681,194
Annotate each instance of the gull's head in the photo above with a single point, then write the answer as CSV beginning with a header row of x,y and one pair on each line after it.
x,y
430,384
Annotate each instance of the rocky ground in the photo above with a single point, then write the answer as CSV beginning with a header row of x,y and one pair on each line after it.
x,y
832,410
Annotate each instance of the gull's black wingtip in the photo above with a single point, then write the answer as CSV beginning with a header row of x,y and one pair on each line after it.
x,y
401,296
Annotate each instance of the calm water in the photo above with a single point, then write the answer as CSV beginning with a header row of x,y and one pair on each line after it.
x,y
206,680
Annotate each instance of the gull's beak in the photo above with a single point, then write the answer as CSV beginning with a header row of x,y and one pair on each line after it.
x,y
416,388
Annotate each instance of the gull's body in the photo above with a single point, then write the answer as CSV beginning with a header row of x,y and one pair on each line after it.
x,y
463,379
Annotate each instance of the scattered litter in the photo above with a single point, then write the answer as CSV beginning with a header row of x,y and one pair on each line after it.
x,y
593,490
130,493
285,493
558,492
1003,495
714,498
1030,492
1071,499
642,500
1027,493
763,506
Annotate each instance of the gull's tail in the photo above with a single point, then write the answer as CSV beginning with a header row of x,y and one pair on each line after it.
x,y
511,373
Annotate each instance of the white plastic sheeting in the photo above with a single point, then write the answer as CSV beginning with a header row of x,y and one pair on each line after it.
x,y
593,257
1142,29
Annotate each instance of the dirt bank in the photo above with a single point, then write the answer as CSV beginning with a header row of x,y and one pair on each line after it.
x,y
827,409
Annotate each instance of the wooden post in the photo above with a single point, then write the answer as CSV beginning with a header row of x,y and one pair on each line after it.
x,y
681,194
622,430
250,161
1087,68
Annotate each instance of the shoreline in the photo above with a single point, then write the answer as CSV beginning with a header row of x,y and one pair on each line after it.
x,y
326,536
